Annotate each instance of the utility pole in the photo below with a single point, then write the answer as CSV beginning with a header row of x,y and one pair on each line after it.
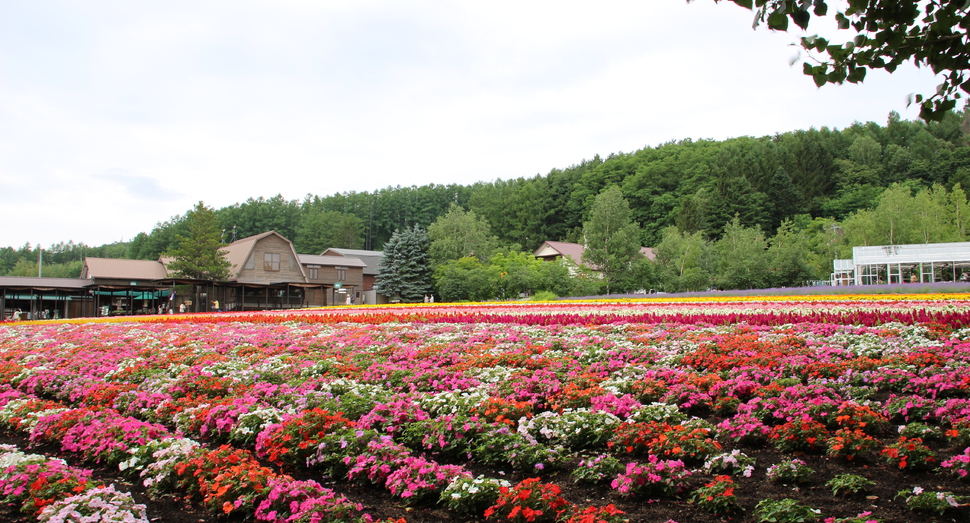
x,y
40,261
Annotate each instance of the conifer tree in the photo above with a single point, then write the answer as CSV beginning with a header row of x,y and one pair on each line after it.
x,y
405,272
199,255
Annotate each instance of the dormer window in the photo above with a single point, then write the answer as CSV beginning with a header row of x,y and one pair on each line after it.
x,y
271,261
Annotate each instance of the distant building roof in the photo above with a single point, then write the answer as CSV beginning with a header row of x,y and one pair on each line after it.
x,y
911,253
318,259
123,269
28,282
551,250
372,259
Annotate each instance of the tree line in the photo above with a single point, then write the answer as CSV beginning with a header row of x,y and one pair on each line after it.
x,y
804,186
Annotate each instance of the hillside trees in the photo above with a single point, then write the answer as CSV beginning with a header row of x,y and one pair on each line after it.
x,y
695,185
321,230
683,261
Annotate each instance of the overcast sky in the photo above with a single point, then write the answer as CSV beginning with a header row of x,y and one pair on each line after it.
x,y
115,115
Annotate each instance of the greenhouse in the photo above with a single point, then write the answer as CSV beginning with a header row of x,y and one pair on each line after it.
x,y
919,263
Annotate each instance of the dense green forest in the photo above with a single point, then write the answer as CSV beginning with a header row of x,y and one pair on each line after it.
x,y
821,190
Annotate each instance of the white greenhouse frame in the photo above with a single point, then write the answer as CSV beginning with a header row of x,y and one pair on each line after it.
x,y
918,263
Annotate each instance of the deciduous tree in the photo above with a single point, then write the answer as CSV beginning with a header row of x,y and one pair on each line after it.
x,y
612,238
882,34
458,234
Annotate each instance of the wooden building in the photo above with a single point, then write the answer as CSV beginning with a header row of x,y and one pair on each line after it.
x,y
372,262
340,278
266,273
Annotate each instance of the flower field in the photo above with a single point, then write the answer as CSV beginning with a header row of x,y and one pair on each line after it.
x,y
818,408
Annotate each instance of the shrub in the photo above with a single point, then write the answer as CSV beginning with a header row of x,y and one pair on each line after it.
x,y
909,454
784,511
530,501
849,484
805,435
849,444
923,501
466,495
717,496
417,479
654,478
292,501
790,471
101,504
597,468
593,514
730,462
959,465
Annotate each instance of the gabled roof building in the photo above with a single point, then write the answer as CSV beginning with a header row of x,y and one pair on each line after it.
x,y
573,252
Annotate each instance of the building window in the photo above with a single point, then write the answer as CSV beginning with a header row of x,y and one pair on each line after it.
x,y
313,272
271,261
341,273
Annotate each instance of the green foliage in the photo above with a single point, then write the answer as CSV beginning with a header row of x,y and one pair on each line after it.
x,y
612,239
784,511
405,273
465,279
508,275
920,500
458,234
742,260
887,33
199,254
321,230
828,186
683,261
849,484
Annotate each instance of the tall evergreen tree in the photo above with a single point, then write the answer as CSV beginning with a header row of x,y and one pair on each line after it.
x,y
405,272
199,255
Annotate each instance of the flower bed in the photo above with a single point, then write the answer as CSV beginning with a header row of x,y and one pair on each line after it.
x,y
686,403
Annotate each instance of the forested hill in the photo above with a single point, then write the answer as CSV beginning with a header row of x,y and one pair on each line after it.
x,y
694,185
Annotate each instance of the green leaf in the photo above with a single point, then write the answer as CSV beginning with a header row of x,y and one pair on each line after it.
x,y
820,79
820,8
842,21
778,21
801,18
743,3
857,75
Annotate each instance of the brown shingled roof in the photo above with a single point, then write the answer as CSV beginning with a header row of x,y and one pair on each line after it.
x,y
122,269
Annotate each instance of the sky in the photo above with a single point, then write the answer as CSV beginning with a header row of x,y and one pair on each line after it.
x,y
116,115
